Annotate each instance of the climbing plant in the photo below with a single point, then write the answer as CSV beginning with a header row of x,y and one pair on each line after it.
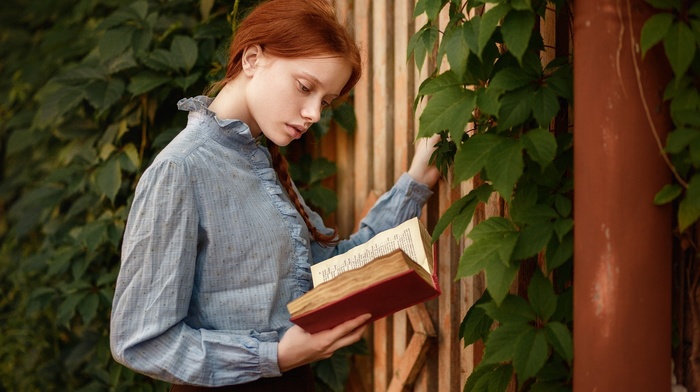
x,y
675,25
495,105
88,93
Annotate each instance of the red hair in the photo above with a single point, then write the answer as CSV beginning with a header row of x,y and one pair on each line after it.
x,y
295,29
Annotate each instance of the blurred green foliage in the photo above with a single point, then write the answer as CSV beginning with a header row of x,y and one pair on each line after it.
x,y
88,92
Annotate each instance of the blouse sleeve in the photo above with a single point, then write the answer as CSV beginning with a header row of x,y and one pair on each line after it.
x,y
154,288
402,202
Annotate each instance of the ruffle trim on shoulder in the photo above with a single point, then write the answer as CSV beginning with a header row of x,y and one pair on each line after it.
x,y
260,160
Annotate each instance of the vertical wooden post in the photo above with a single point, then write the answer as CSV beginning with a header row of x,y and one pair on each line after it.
x,y
622,277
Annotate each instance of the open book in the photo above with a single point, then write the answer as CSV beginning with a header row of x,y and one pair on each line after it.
x,y
390,272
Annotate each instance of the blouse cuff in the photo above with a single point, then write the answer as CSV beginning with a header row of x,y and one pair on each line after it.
x,y
268,360
413,189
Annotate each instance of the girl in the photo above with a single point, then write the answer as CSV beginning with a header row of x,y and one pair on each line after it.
x,y
218,239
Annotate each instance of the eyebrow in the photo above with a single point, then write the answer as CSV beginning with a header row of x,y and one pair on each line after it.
x,y
318,82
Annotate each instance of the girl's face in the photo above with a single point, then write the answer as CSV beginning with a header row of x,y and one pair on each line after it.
x,y
285,96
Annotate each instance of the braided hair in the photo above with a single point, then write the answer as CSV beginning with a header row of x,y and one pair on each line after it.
x,y
279,163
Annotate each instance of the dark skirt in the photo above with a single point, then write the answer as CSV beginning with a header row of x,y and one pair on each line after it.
x,y
299,379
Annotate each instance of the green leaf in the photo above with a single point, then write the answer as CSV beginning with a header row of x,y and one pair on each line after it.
x,y
184,52
121,62
521,4
489,21
144,82
88,307
487,101
448,109
494,227
57,103
334,371
688,214
494,240
502,341
541,294
321,197
545,106
108,178
532,240
430,7
561,82
499,277
559,337
472,157
344,115
559,252
680,138
505,166
102,95
422,43
113,43
668,194
321,169
441,82
530,354
665,4
476,323
184,82
160,60
517,29
680,45
489,378
129,159
655,30
541,146
563,227
465,203
456,47
516,107
509,79
563,205
66,310
513,310
140,8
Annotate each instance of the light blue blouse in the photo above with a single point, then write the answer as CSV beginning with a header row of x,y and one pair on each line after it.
x,y
214,250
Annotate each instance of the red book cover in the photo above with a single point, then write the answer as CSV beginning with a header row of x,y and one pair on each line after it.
x,y
381,299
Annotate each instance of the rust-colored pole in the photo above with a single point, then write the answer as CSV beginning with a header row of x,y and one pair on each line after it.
x,y
622,242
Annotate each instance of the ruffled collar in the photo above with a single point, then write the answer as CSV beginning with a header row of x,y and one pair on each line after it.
x,y
232,132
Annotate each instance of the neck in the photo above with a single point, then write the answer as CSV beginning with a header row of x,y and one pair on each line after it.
x,y
230,103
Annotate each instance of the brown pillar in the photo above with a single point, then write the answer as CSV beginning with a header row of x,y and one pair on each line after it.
x,y
622,248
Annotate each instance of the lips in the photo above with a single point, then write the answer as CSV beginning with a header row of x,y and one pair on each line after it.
x,y
295,131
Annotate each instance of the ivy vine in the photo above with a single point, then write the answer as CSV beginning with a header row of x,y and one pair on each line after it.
x,y
495,104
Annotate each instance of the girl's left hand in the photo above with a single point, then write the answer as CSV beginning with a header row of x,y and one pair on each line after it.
x,y
421,170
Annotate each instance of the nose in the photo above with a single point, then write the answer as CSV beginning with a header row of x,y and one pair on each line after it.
x,y
311,112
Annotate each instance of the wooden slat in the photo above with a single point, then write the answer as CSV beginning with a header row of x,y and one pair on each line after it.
x,y
403,87
344,151
382,91
363,105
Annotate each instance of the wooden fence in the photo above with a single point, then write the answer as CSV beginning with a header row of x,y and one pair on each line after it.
x,y
418,349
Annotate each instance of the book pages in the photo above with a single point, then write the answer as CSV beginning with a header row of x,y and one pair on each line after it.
x,y
410,236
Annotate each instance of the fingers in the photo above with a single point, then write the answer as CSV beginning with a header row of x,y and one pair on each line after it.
x,y
298,347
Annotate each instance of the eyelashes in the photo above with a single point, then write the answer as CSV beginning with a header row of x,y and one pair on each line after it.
x,y
304,89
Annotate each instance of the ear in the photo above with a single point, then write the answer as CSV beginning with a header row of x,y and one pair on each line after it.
x,y
252,59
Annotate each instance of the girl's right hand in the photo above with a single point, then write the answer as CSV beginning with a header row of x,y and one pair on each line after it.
x,y
299,347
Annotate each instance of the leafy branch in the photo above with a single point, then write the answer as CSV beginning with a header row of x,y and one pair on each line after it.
x,y
496,104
